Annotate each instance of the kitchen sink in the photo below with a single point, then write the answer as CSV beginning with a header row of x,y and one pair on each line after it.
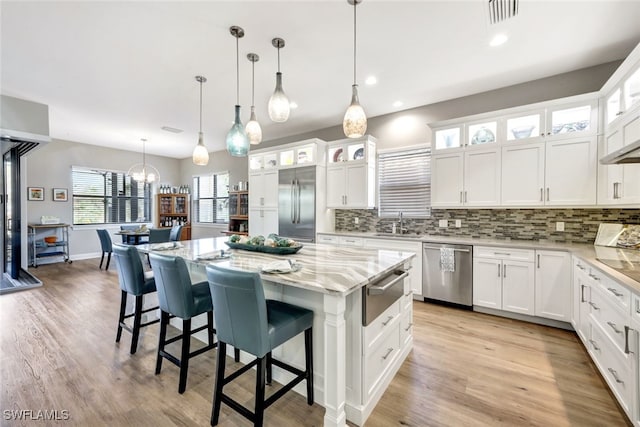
x,y
405,236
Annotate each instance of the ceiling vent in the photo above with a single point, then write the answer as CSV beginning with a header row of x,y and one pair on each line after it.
x,y
170,129
501,10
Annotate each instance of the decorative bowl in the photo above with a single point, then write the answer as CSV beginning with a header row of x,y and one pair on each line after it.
x,y
522,132
483,136
50,239
287,250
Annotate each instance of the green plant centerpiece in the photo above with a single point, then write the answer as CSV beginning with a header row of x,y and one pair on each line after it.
x,y
272,244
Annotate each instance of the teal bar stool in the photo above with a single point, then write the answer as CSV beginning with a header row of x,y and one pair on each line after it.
x,y
133,280
180,298
248,321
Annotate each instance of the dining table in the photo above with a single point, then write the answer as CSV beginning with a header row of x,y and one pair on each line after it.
x,y
133,235
330,281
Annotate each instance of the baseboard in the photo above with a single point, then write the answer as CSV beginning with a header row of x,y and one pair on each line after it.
x,y
525,318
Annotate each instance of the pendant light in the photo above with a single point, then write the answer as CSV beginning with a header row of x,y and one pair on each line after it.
x,y
355,120
237,141
200,153
253,129
142,172
279,103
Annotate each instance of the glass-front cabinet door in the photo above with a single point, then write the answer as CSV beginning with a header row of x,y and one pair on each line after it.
x,y
482,133
524,126
347,152
575,119
614,105
263,161
632,90
448,138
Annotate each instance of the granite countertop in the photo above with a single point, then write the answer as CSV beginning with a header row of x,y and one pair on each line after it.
x,y
587,252
326,269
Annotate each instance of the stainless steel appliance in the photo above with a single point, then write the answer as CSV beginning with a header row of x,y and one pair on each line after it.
x,y
381,294
630,153
297,203
450,282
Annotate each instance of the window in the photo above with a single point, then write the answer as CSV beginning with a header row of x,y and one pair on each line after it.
x,y
108,197
404,183
211,198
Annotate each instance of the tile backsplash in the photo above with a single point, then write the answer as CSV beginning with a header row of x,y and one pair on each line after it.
x,y
580,225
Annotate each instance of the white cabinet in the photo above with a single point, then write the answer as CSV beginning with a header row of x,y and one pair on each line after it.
x,y
448,138
504,279
581,297
351,173
263,221
623,98
482,178
553,285
570,172
620,184
447,172
523,174
405,246
263,189
572,119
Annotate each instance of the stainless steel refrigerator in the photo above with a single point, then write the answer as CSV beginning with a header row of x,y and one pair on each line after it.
x,y
297,203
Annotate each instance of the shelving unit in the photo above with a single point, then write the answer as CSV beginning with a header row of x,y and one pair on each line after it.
x,y
38,248
173,209
238,213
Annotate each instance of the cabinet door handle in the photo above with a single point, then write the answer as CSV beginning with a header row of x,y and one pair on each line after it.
x,y
538,260
615,292
547,194
541,194
582,293
498,270
595,307
261,201
504,270
345,199
626,339
389,351
594,345
615,190
465,197
615,375
614,327
461,197
638,306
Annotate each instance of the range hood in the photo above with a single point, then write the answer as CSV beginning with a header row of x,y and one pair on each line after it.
x,y
627,154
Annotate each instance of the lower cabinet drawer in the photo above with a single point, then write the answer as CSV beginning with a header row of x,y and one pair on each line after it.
x,y
613,366
374,332
332,240
378,361
609,317
351,241
406,325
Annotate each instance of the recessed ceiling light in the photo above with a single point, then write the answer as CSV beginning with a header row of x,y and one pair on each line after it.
x,y
398,104
371,80
292,104
498,39
170,129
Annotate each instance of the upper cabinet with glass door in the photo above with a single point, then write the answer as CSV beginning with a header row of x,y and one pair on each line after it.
x,y
351,150
304,153
448,137
525,126
263,161
482,133
622,91
571,120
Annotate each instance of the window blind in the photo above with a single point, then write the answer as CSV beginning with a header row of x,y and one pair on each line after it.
x,y
211,198
108,197
404,183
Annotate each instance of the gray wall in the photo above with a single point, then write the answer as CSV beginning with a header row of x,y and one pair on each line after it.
x,y
24,116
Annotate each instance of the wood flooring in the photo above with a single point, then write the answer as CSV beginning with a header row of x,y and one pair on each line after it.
x,y
466,369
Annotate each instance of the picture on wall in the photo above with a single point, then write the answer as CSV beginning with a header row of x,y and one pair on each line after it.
x,y
60,195
35,193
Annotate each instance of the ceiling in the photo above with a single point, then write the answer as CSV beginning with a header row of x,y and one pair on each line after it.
x,y
115,72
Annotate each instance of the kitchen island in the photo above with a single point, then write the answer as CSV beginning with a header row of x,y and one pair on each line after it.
x,y
353,363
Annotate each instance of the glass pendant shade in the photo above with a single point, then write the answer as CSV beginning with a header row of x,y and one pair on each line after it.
x,y
355,120
279,108
200,153
143,172
253,129
237,140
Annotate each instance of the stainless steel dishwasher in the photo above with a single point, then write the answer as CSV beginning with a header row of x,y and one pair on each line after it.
x,y
447,273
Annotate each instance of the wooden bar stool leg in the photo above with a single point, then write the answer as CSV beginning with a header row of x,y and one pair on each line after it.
x,y
137,320
164,321
260,384
123,307
308,357
184,358
217,398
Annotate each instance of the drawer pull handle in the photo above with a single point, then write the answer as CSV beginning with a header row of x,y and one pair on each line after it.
x,y
626,339
580,266
638,306
615,375
615,292
389,351
595,307
502,253
407,294
594,345
389,319
408,326
613,326
594,277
